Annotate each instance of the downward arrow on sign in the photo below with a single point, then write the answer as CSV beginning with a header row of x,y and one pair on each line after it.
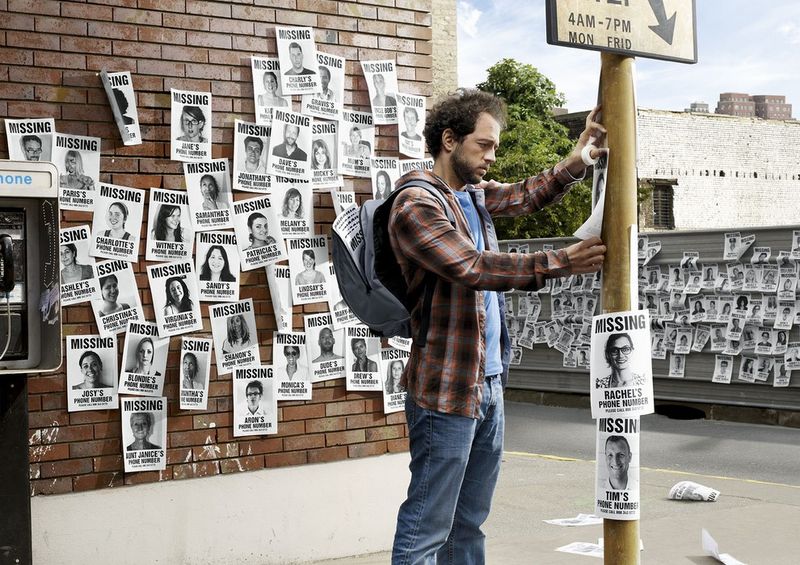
x,y
666,27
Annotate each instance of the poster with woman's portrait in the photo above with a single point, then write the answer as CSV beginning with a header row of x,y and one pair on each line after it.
x,y
327,102
78,282
122,99
30,139
393,363
362,353
267,92
324,139
190,128
308,260
290,145
250,142
77,159
289,362
356,143
144,360
617,468
176,300
117,222
279,281
235,335
217,266
342,315
119,300
381,77
325,347
91,372
258,236
342,200
255,408
209,189
294,209
169,227
297,54
144,433
621,373
411,117
195,372
384,172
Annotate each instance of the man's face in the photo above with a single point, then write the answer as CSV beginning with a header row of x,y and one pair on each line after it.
x,y
360,349
290,134
326,340
296,56
618,458
33,150
253,152
410,118
324,77
473,155
253,398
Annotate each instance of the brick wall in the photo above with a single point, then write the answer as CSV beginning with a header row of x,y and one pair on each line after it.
x,y
51,54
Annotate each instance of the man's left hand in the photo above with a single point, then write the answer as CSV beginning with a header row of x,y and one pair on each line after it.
x,y
593,134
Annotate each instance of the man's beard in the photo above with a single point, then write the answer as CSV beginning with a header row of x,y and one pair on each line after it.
x,y
463,171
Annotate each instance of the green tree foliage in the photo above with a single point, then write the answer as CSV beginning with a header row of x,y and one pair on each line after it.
x,y
532,142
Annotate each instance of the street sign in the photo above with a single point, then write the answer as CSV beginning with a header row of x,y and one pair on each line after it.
x,y
656,29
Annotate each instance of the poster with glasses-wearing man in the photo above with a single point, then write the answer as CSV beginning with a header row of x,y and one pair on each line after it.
x,y
327,102
217,266
308,261
144,433
175,297
235,335
267,93
297,54
30,139
621,373
289,362
381,77
144,360
209,189
362,353
617,468
169,227
250,142
77,159
325,347
119,297
91,372
255,407
195,366
190,125
393,363
290,145
411,120
78,281
356,143
257,233
117,222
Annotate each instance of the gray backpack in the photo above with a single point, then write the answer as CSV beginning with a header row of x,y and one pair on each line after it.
x,y
372,284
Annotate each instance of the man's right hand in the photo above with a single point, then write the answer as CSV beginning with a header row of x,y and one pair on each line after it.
x,y
586,256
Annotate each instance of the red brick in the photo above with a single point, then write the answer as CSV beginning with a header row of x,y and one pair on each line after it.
x,y
252,44
48,419
46,383
377,27
184,21
215,451
96,481
358,10
111,30
143,17
337,22
304,442
34,7
328,454
423,47
182,53
163,68
106,463
49,25
366,449
241,464
294,18
148,477
217,9
16,57
93,417
32,40
326,424
396,44
85,11
48,452
214,73
286,459
365,420
204,469
68,467
260,446
35,402
318,6
423,19
137,49
344,438
254,14
414,32
396,418
419,5
303,412
163,5
60,94
358,39
237,27
197,437
179,455
51,486
217,40
385,432
96,447
397,445
342,408
162,35
86,45
59,60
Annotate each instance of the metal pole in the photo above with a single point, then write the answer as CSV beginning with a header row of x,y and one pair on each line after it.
x,y
619,117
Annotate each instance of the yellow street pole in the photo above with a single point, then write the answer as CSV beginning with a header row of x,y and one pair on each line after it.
x,y
619,116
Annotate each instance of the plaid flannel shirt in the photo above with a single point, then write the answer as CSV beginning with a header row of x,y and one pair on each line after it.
x,y
447,374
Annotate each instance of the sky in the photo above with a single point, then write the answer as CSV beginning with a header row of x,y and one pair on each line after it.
x,y
742,46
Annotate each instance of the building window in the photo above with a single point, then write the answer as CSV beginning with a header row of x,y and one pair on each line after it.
x,y
663,194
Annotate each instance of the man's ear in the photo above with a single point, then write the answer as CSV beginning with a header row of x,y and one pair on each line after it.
x,y
449,140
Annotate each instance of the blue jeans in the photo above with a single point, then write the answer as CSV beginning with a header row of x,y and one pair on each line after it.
x,y
455,462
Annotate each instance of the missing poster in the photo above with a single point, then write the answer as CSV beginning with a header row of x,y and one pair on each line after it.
x,y
328,101
294,210
407,165
91,372
324,169
267,92
342,200
297,54
255,406
144,433
290,145
190,128
393,363
621,371
381,77
279,281
217,266
384,171
325,347
77,159
289,364
617,487
235,335
258,236
30,139
195,372
723,369
308,260
169,227
356,143
175,297
411,117
117,222
119,297
361,359
208,187
144,360
78,282
250,142
122,99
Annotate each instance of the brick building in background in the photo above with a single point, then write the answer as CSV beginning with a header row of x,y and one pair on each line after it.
x,y
769,107
288,509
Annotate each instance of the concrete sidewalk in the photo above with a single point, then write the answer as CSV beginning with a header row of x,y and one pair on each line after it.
x,y
755,522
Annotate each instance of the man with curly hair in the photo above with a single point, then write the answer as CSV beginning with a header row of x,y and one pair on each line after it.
x,y
454,406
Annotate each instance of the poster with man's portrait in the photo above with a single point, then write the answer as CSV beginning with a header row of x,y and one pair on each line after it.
x,y
117,222
362,354
255,406
77,159
176,300
723,369
169,226
91,372
78,281
621,375
617,456
122,99
217,266
289,363
325,347
356,143
209,189
279,281
119,301
190,125
235,335
411,120
381,77
195,372
328,101
258,235
297,54
144,360
393,363
250,143
30,139
267,93
290,145
384,172
324,168
308,261
144,433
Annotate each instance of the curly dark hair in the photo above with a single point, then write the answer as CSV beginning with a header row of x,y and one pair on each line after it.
x,y
459,112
